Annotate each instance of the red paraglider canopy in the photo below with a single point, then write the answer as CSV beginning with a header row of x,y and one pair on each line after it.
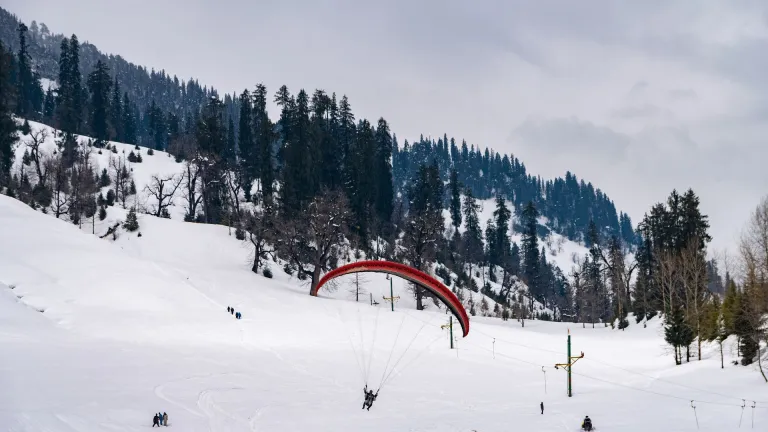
x,y
416,276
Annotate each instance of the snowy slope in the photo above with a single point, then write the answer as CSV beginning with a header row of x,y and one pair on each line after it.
x,y
138,325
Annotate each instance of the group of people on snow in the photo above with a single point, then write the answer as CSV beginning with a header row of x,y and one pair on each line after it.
x,y
231,310
160,420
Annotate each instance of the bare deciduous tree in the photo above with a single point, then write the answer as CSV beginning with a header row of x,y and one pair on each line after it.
x,y
122,178
36,139
693,275
260,228
313,239
60,182
753,249
163,189
191,193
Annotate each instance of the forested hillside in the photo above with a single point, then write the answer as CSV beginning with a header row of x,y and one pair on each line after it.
x,y
153,109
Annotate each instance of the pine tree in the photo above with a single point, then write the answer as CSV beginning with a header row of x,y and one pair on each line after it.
x,y
26,92
49,106
263,137
425,220
69,103
530,248
677,333
501,246
99,84
116,113
249,156
383,172
8,133
129,121
455,199
472,238
131,221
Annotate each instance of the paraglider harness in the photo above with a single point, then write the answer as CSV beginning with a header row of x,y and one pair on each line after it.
x,y
370,396
587,424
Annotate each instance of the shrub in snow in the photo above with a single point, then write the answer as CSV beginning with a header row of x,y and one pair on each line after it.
x,y
150,152
239,233
137,147
102,213
444,274
104,180
132,157
42,195
267,273
132,190
25,128
114,149
484,306
139,159
288,269
131,221
164,214
110,197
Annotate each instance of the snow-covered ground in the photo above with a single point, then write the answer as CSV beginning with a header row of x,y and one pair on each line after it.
x,y
97,335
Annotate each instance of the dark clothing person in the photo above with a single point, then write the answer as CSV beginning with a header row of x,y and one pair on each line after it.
x,y
229,309
155,421
369,397
165,419
587,425
542,407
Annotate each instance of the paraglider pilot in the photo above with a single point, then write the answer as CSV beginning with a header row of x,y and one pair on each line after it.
x,y
369,397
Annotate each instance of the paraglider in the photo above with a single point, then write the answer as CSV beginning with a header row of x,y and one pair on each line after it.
x,y
425,281
406,272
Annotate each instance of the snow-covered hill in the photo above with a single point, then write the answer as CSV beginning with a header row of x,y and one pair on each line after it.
x,y
98,335
560,250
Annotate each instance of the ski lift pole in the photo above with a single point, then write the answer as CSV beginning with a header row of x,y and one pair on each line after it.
x,y
391,294
545,379
450,329
753,413
570,393
694,414
569,365
494,348
743,404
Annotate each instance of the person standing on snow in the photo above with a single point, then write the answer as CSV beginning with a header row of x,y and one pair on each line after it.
x,y
156,421
542,407
165,419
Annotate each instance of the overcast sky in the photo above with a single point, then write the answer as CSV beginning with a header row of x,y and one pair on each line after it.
x,y
638,97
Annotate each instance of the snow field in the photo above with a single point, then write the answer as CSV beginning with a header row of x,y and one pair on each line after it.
x,y
98,335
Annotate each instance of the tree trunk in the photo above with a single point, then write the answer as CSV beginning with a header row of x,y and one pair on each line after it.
x,y
315,276
419,304
722,364
699,338
256,260
760,361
